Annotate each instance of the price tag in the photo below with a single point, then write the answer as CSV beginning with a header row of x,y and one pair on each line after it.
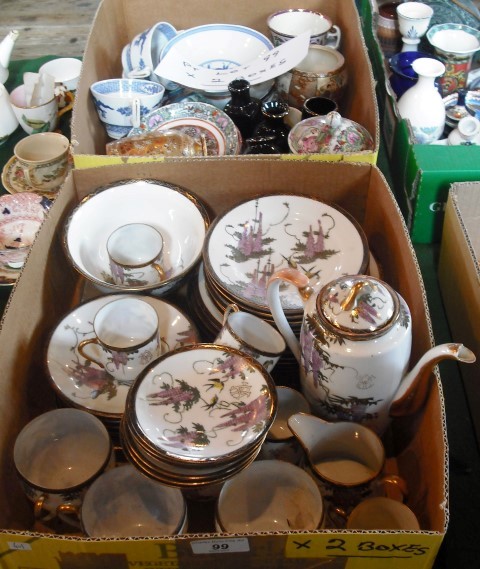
x,y
228,545
19,546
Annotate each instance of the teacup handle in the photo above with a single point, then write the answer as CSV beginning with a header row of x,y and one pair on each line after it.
x,y
230,308
81,350
38,509
334,36
395,481
69,514
69,100
160,270
136,112
29,178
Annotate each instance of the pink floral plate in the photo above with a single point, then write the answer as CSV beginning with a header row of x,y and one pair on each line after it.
x,y
203,404
246,245
82,384
215,142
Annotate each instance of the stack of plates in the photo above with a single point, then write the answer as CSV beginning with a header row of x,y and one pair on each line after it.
x,y
246,245
198,415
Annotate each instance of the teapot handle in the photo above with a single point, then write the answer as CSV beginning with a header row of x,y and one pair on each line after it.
x,y
301,281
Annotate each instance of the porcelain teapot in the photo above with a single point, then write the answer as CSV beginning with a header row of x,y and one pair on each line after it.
x,y
354,348
6,47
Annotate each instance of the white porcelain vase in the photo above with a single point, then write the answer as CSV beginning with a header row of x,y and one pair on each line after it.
x,y
422,105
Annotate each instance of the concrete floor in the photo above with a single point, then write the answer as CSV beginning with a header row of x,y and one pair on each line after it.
x,y
47,27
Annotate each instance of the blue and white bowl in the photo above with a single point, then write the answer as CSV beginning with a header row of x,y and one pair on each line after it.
x,y
221,46
116,101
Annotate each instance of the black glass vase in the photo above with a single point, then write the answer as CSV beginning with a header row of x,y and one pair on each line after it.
x,y
243,109
272,123
261,145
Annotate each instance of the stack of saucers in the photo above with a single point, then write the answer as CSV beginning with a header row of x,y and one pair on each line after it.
x,y
246,245
198,415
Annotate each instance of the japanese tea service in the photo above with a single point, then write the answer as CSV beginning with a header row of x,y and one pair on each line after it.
x,y
199,70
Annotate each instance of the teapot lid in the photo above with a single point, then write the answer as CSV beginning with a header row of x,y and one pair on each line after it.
x,y
358,306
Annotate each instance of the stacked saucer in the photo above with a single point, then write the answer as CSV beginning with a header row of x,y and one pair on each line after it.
x,y
198,415
79,383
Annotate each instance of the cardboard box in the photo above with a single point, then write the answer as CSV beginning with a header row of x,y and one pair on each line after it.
x,y
421,173
459,278
48,288
118,21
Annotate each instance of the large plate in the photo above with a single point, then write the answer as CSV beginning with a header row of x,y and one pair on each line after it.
x,y
154,120
246,245
88,386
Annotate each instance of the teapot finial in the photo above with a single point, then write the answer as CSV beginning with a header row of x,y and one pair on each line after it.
x,y
6,47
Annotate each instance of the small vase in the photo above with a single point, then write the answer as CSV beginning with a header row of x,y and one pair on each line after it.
x,y
422,105
242,108
261,145
274,113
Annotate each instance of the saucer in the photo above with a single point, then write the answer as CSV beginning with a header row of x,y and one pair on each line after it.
x,y
87,386
14,182
215,142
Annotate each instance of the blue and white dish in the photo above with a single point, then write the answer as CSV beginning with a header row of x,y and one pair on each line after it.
x,y
115,101
222,46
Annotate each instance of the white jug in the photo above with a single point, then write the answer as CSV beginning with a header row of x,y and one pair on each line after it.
x,y
6,47
8,120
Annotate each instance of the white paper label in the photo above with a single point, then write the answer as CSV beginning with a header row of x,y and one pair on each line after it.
x,y
275,62
19,546
227,545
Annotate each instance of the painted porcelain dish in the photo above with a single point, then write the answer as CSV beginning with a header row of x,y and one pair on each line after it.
x,y
246,245
178,215
192,110
20,219
329,134
198,129
78,382
222,46
203,404
14,182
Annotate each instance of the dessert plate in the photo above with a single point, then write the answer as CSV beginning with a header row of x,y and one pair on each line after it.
x,y
82,384
203,404
246,245
198,110
215,142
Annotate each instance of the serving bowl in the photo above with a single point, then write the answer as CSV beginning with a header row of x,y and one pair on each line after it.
x,y
222,46
174,212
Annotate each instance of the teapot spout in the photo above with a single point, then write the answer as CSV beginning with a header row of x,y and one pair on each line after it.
x,y
414,387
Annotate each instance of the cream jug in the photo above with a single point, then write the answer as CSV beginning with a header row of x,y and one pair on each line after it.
x,y
354,347
6,47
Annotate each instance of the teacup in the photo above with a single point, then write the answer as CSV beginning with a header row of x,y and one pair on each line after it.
x,y
287,24
413,19
135,253
43,158
382,513
251,335
121,103
322,73
318,106
57,456
123,502
36,118
280,443
143,52
346,459
269,495
65,71
126,338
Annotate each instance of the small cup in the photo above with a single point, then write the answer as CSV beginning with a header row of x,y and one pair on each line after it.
x,y
123,502
346,459
121,103
37,118
318,106
287,24
381,513
414,19
135,252
143,52
43,158
57,456
65,71
280,443
126,338
251,335
269,495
